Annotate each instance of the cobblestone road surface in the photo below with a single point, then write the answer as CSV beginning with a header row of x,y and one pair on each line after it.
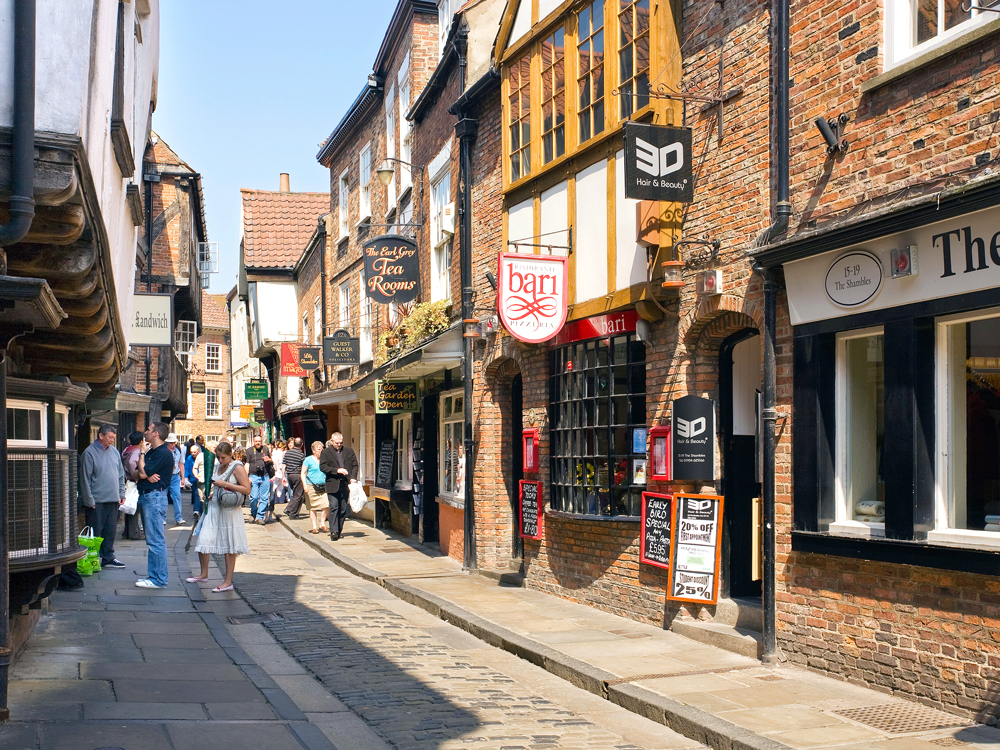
x,y
418,682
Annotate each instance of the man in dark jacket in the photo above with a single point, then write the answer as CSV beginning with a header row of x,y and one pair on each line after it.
x,y
293,470
341,467
258,460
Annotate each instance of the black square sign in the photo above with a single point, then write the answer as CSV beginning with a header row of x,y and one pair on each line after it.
x,y
658,163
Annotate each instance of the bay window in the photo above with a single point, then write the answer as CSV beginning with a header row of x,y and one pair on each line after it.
x,y
633,56
553,96
590,76
519,118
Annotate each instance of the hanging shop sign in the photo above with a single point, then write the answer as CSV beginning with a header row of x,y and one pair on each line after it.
x,y
598,326
290,366
692,431
386,456
695,548
853,279
236,418
397,396
392,270
531,509
533,295
152,320
255,390
259,415
246,411
197,386
658,163
654,529
309,358
340,349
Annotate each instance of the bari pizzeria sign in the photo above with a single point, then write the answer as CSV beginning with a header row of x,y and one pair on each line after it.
x,y
532,295
392,272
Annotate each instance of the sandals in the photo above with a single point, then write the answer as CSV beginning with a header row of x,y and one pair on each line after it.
x,y
196,579
222,589
323,529
314,531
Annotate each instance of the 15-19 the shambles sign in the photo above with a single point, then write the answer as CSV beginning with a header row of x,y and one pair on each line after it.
x,y
341,349
392,271
395,397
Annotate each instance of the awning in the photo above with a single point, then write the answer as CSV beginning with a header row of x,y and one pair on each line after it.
x,y
337,396
303,405
443,352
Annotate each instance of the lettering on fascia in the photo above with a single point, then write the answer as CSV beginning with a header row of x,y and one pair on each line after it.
x,y
975,250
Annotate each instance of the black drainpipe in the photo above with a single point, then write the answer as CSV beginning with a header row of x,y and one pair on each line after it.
x,y
321,239
22,211
769,414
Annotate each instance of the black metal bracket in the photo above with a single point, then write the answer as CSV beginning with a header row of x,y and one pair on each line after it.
x,y
710,253
969,6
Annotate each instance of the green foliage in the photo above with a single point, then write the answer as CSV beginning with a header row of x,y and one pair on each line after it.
x,y
416,323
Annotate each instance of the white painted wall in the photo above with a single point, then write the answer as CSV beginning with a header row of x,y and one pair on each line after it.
x,y
590,244
547,6
521,224
273,312
630,257
555,219
74,77
522,21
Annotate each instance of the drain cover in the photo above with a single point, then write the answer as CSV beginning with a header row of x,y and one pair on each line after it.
x,y
256,619
949,742
902,718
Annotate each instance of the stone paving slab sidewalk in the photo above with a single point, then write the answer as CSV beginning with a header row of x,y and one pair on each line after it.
x,y
713,696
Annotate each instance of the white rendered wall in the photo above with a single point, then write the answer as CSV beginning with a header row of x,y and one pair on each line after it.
x,y
275,311
520,225
630,257
555,219
590,244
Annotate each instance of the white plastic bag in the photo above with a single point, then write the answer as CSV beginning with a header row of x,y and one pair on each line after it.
x,y
131,503
358,499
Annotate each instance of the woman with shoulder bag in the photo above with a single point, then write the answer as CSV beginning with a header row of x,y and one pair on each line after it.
x,y
314,486
221,529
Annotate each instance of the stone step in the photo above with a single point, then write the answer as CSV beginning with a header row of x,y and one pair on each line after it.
x,y
728,637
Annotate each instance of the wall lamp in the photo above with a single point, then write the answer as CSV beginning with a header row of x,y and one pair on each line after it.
x,y
492,279
830,130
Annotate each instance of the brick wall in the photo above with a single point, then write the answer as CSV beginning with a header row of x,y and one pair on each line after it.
x,y
197,422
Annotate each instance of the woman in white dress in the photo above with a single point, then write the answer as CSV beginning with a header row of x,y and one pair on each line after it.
x,y
222,530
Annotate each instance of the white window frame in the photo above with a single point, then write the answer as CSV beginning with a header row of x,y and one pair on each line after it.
x,y
405,131
845,524
218,403
946,446
440,171
43,410
364,320
343,196
390,145
318,322
305,328
186,333
365,183
344,305
63,441
900,30
402,432
367,444
455,418
209,348
446,11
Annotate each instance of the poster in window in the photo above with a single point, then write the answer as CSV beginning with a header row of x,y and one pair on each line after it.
x,y
531,509
695,548
654,529
639,471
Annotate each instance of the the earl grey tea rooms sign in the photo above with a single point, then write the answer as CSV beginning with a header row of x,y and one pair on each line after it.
x,y
392,271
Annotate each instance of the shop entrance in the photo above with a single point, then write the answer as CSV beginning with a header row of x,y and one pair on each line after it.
x,y
517,464
739,387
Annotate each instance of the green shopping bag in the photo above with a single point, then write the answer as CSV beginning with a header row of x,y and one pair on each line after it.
x,y
92,562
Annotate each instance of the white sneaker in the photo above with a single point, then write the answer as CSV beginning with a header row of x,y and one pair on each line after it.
x,y
182,524
146,583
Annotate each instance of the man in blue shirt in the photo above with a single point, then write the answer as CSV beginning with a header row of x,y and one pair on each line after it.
x,y
174,491
156,467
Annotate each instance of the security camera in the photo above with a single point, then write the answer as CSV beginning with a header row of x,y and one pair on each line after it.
x,y
830,130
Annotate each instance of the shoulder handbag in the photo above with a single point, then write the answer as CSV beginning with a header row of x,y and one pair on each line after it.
x,y
227,499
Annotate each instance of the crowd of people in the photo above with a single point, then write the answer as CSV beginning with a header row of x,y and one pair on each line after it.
x,y
218,477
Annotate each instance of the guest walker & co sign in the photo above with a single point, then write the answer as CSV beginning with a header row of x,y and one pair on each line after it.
x,y
533,295
392,272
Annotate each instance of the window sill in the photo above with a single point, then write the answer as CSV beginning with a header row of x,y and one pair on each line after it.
x,y
452,501
966,538
364,221
590,518
343,237
907,66
858,529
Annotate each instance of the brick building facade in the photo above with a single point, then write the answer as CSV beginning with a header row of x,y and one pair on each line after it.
x,y
209,397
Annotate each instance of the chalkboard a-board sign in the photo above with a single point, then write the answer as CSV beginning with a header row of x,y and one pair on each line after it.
x,y
386,455
531,509
695,548
654,530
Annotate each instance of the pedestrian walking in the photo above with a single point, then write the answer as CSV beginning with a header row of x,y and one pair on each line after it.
x,y
278,484
130,463
261,467
313,480
175,480
222,531
194,471
156,468
341,467
102,490
292,461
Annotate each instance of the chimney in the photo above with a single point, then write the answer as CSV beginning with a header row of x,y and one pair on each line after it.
x,y
284,183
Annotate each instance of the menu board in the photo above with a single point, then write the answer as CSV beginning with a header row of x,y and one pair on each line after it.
x,y
654,530
531,508
386,455
695,548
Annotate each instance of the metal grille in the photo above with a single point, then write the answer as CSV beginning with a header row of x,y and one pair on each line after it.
x,y
41,491
902,718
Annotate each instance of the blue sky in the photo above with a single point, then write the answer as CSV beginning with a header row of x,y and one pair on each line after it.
x,y
249,88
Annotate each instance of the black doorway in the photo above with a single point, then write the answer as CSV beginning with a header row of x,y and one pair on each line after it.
x,y
517,464
739,384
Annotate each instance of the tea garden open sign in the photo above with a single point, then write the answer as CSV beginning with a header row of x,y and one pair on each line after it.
x,y
397,396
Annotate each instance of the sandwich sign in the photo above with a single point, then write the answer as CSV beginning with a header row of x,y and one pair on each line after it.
x,y
658,163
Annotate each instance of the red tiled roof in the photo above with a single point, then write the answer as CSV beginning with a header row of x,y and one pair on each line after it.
x,y
213,311
277,226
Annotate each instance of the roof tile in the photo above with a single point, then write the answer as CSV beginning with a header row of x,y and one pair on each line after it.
x,y
213,310
277,226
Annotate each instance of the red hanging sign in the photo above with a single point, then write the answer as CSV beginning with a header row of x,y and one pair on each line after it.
x,y
533,295
290,366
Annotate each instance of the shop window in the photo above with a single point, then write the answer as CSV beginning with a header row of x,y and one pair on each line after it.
x,y
597,402
917,26
590,78
402,432
553,96
212,410
633,56
968,370
860,485
212,358
451,448
519,118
